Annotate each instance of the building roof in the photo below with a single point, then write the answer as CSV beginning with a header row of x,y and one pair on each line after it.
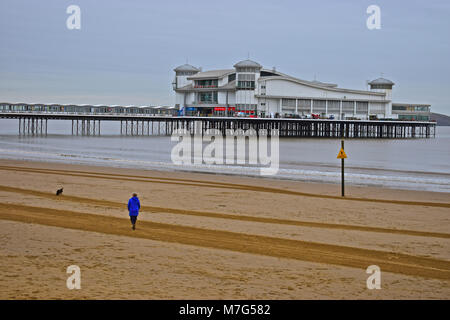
x,y
324,84
411,104
315,85
276,75
229,86
211,74
186,67
247,63
185,88
282,75
381,81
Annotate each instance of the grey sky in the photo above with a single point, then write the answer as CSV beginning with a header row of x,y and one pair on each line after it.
x,y
126,50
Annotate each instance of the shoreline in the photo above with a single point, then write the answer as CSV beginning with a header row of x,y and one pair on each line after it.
x,y
327,184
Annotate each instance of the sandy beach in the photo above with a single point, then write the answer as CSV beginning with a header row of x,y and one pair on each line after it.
x,y
208,236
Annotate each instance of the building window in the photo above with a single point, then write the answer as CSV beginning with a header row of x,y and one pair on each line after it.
x,y
246,85
246,81
208,97
411,117
246,77
333,106
362,107
243,107
304,105
377,107
319,106
288,104
247,69
381,86
212,83
348,107
411,108
185,73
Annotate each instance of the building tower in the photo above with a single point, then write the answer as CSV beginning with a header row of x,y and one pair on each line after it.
x,y
385,86
247,74
181,75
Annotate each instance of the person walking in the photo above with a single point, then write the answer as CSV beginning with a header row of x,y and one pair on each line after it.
x,y
133,208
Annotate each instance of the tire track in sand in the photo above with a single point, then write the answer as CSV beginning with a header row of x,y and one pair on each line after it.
x,y
225,240
107,203
211,184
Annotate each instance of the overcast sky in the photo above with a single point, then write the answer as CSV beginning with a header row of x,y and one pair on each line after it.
x,y
125,51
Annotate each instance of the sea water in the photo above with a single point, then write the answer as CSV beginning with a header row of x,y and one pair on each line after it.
x,y
416,164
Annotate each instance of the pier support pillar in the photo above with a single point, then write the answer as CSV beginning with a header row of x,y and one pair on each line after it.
x,y
86,127
33,126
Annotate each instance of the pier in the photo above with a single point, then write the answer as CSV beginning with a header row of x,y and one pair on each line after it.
x,y
36,124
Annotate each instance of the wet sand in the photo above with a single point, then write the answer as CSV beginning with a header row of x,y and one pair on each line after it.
x,y
205,236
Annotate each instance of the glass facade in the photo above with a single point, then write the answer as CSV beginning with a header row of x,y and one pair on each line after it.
x,y
348,107
245,107
381,86
246,81
411,108
246,85
232,77
247,69
413,117
333,106
210,83
304,106
362,107
207,97
319,106
185,73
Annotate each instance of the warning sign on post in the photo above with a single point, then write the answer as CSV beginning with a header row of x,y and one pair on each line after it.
x,y
341,154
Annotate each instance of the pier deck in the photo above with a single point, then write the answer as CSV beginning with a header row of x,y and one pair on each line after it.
x,y
36,123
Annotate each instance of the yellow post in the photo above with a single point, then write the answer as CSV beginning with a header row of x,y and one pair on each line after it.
x,y
342,172
341,155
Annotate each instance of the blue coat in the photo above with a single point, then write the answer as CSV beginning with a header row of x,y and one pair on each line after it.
x,y
133,206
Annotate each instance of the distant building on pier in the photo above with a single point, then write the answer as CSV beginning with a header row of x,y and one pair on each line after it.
x,y
250,90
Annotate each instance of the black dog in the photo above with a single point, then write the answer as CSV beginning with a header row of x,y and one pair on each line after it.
x,y
59,191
